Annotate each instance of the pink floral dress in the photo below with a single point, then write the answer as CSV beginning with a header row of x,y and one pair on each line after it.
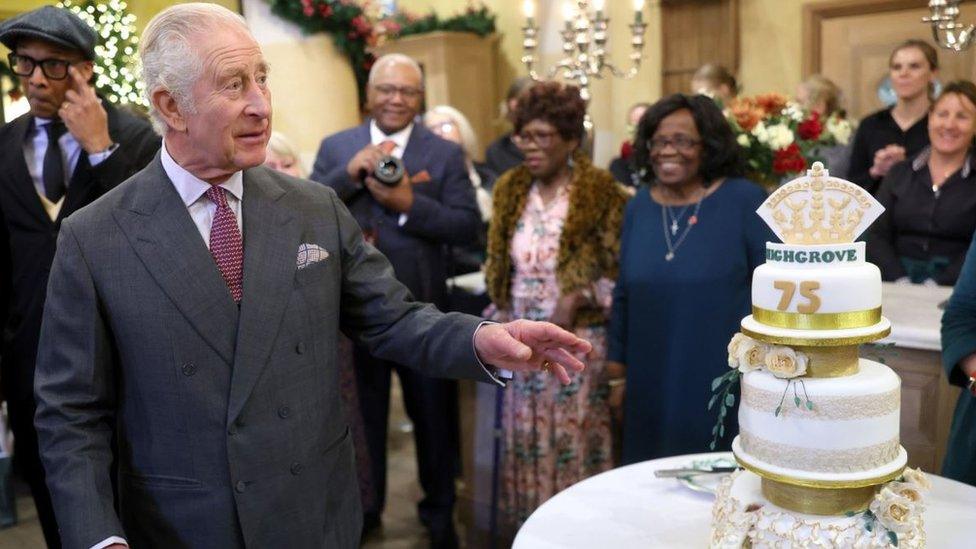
x,y
553,435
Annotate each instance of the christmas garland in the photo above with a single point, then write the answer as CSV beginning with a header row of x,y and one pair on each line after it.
x,y
355,30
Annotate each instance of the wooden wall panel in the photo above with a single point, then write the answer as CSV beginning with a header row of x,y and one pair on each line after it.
x,y
694,33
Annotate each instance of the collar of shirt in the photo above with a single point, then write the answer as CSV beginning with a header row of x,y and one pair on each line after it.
x,y
376,136
922,160
190,187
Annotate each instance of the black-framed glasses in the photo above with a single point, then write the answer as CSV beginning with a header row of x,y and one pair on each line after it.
x,y
55,69
541,139
407,92
680,142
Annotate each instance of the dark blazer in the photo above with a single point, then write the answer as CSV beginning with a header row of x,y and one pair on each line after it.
x,y
28,236
227,420
444,208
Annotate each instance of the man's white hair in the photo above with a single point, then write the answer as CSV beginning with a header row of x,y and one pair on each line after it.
x,y
395,59
170,60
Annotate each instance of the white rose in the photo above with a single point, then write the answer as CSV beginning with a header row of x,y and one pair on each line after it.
x,y
760,133
908,490
738,340
794,111
785,363
918,478
840,129
895,512
743,140
780,137
750,355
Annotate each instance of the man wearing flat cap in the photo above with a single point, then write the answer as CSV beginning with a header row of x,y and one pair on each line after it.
x,y
67,151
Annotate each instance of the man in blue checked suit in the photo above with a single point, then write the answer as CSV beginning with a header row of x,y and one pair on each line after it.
x,y
411,223
186,384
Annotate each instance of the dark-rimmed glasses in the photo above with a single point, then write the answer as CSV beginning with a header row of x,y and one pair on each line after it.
x,y
55,69
407,92
683,143
541,139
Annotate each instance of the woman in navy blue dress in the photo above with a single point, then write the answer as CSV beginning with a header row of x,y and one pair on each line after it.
x,y
690,243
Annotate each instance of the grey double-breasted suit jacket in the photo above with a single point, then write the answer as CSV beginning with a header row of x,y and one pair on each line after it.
x,y
225,420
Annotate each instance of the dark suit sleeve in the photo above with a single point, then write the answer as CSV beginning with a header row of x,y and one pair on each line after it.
x,y
379,313
454,219
959,320
331,172
138,144
881,236
74,386
6,274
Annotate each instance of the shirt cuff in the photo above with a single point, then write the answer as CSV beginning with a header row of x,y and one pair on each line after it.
x,y
96,159
110,541
499,375
402,220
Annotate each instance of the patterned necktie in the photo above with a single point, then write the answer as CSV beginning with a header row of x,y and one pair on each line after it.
x,y
226,246
53,170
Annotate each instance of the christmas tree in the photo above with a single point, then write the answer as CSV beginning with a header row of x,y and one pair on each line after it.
x,y
116,75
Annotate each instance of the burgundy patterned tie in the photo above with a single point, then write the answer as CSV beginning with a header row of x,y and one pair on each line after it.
x,y
225,243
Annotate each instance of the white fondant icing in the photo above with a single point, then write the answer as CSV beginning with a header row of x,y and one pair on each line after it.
x,y
871,378
843,288
789,255
823,435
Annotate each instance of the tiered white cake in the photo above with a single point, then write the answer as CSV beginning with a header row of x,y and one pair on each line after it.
x,y
818,426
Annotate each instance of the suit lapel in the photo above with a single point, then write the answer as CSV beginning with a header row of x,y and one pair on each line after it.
x,y
271,240
21,183
78,187
167,241
415,153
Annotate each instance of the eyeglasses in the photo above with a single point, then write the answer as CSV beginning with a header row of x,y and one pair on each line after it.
x,y
389,90
541,139
55,69
680,142
442,127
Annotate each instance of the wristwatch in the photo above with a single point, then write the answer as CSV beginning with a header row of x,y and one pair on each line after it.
x,y
971,386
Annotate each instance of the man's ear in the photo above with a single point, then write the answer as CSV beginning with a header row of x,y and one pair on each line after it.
x,y
169,108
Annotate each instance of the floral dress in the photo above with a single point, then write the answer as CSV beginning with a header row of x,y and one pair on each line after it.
x,y
553,435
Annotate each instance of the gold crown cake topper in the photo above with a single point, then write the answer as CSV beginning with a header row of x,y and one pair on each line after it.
x,y
819,209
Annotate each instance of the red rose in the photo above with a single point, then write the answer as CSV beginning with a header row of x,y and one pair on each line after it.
x,y
325,10
811,128
789,160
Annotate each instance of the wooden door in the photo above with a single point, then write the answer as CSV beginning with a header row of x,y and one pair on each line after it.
x,y
695,33
850,43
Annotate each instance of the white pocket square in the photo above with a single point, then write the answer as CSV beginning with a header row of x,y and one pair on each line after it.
x,y
310,254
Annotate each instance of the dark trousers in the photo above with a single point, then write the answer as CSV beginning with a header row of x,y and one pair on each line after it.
x,y
431,405
27,462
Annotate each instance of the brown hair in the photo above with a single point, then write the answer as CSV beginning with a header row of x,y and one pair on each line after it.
x,y
964,88
821,88
716,75
928,51
553,102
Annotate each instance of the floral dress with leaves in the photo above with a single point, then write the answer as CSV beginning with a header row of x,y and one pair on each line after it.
x,y
553,435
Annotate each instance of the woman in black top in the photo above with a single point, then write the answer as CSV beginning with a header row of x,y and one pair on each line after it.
x,y
899,132
930,201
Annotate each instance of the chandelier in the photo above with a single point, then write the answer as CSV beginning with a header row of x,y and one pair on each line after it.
x,y
584,37
947,32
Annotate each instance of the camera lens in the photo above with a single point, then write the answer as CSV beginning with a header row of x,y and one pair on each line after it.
x,y
389,171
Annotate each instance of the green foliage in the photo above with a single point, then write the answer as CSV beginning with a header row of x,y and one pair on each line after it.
x,y
722,387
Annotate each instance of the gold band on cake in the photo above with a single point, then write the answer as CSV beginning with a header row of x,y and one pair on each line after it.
x,y
831,361
817,501
817,341
817,321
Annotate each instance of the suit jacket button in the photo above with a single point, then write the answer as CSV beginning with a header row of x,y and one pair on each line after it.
x,y
241,487
189,369
300,348
296,468
284,412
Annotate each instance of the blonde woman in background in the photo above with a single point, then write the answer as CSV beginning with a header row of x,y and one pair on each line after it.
x,y
821,95
449,123
283,156
715,81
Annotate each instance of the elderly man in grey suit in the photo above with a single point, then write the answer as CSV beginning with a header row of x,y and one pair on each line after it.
x,y
190,330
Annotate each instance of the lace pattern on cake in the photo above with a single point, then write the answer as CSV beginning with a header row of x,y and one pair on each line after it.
x,y
736,524
825,407
819,460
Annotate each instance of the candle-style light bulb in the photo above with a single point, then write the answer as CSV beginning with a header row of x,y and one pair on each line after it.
x,y
638,5
528,9
598,5
569,12
638,11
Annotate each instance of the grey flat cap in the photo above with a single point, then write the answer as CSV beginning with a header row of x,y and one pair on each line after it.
x,y
50,24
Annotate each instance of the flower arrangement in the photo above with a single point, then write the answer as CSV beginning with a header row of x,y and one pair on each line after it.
x,y
749,355
358,26
779,138
897,507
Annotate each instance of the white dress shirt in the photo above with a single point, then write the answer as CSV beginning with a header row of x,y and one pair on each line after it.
x,y
400,138
193,191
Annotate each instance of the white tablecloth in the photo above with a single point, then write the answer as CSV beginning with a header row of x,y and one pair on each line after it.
x,y
630,508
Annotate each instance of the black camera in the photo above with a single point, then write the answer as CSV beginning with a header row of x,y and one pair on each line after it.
x,y
389,171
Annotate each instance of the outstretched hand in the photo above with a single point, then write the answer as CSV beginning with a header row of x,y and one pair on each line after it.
x,y
525,346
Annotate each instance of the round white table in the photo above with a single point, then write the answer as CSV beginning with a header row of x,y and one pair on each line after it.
x,y
630,507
